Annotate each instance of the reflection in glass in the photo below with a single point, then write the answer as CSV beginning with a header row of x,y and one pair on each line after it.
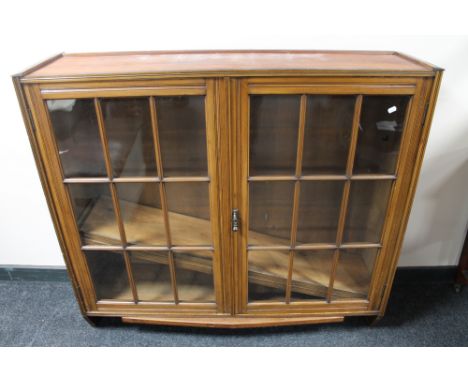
x,y
268,272
274,124
189,213
94,212
129,133
77,135
380,131
182,135
270,212
152,276
109,275
319,210
142,215
311,274
354,273
368,200
327,134
194,274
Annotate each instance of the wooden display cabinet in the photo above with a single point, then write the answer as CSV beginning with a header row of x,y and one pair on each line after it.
x,y
231,188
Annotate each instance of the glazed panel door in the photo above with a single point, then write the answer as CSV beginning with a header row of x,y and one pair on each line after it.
x,y
138,166
319,167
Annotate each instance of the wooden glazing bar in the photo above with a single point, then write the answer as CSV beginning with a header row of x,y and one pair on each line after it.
x,y
147,248
268,247
339,236
323,177
354,136
136,179
155,130
297,190
360,245
103,137
114,196
131,279
162,192
373,177
318,246
86,180
263,178
347,186
139,179
102,248
185,248
173,276
184,179
118,214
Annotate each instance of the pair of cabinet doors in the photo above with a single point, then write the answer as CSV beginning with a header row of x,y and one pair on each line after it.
x,y
230,195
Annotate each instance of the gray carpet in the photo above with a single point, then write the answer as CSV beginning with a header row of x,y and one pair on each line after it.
x,y
39,313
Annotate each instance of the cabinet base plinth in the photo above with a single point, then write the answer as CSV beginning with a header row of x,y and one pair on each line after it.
x,y
230,322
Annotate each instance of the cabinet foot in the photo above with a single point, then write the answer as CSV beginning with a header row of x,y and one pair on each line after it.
x,y
374,320
93,320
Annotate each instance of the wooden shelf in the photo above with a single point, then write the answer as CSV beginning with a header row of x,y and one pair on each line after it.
x,y
267,267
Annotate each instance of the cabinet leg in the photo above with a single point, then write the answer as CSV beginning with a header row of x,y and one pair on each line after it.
x,y
373,321
93,321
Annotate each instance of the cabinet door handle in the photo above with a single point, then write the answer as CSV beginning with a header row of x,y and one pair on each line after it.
x,y
235,220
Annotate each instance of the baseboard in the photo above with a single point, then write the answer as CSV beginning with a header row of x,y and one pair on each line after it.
x,y
404,275
33,273
433,275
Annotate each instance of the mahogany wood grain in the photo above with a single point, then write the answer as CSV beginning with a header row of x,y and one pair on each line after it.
x,y
226,80
230,323
225,63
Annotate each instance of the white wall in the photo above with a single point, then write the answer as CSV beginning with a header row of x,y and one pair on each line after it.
x,y
440,212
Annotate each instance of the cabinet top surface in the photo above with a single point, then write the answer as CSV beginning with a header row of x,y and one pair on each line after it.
x,y
226,62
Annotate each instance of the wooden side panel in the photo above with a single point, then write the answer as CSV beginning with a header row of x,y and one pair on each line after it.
x,y
412,163
31,129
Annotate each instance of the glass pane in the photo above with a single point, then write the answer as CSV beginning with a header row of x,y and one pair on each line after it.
x,y
274,124
270,212
380,131
128,127
143,219
182,135
194,274
311,274
109,275
327,134
319,211
268,273
354,273
92,204
189,213
77,135
152,276
367,207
